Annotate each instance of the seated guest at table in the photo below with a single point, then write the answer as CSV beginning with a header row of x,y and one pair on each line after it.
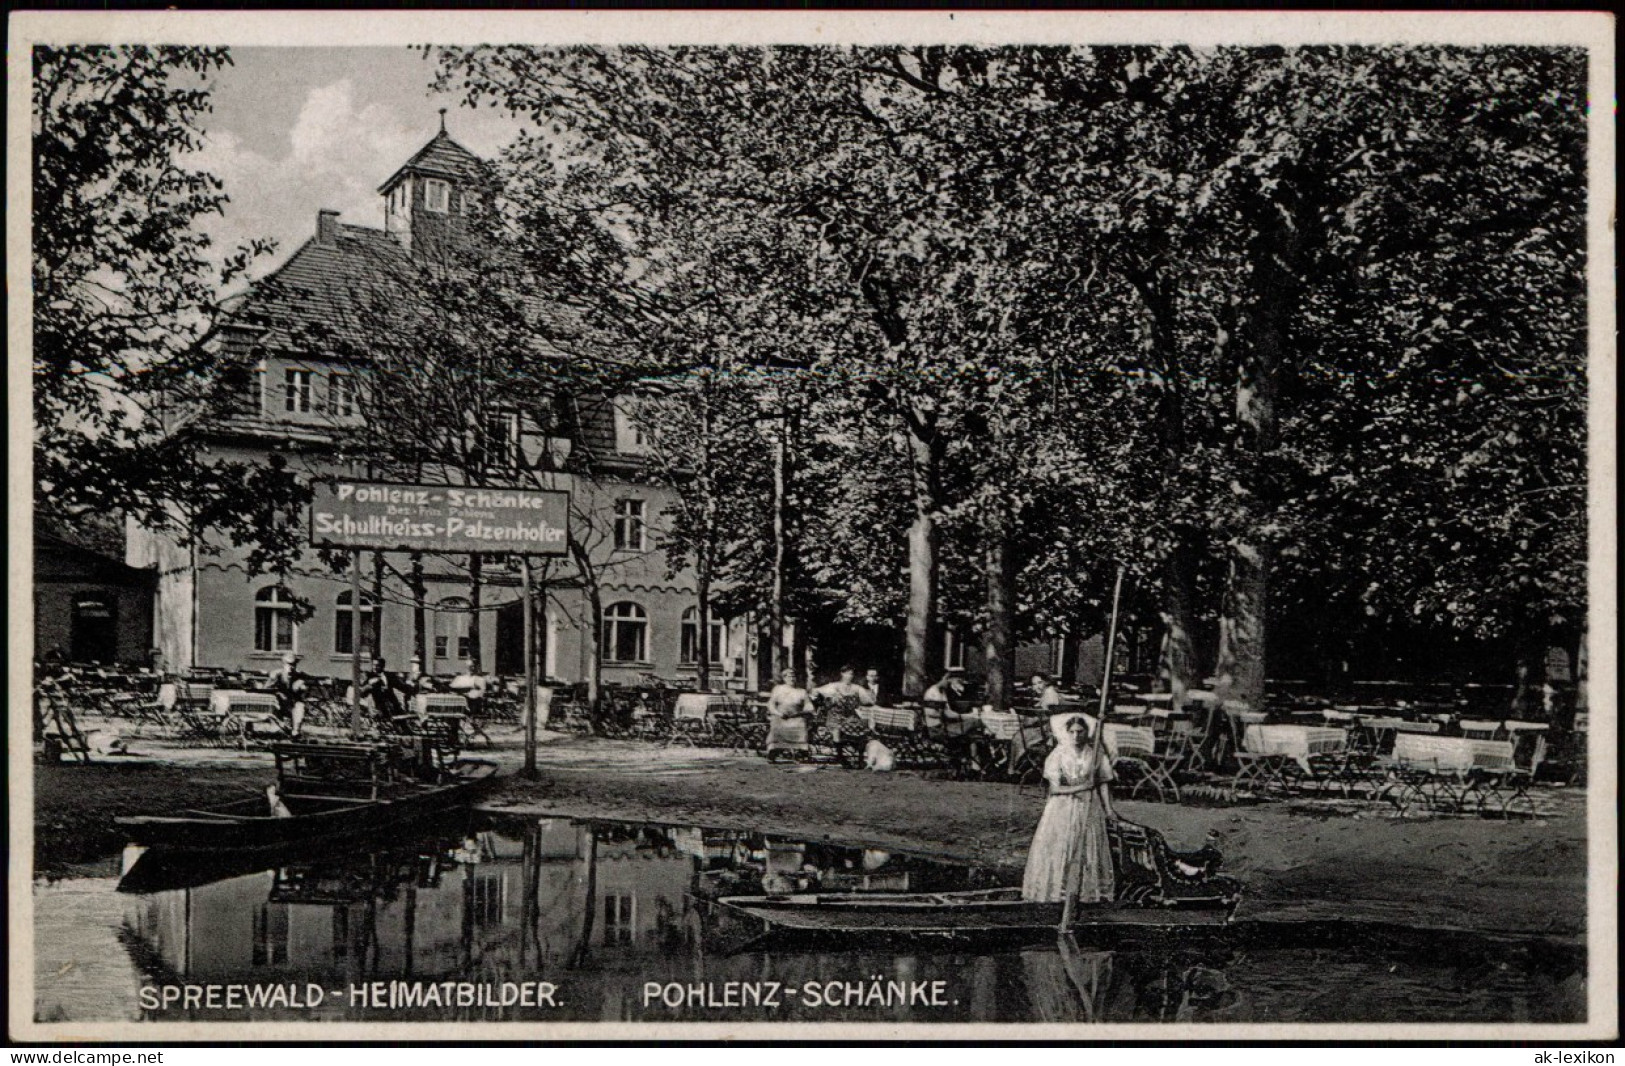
x,y
383,691
289,683
949,716
1048,695
843,687
470,684
871,688
416,681
840,700
788,710
949,690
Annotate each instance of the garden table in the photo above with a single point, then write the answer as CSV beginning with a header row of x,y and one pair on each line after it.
x,y
1445,771
241,711
1297,742
694,715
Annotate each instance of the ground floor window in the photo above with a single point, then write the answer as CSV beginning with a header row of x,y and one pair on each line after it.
x,y
626,633
274,629
451,621
717,646
344,626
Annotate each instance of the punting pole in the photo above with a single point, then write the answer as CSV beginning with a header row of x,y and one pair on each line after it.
x,y
1095,741
530,667
355,643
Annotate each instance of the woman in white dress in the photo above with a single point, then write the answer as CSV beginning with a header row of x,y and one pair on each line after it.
x,y
788,709
1071,846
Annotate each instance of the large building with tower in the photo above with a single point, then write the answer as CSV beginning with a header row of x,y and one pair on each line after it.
x,y
296,401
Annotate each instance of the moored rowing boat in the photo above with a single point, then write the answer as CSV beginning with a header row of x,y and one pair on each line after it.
x,y
324,791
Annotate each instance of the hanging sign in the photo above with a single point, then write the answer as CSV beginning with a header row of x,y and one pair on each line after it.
x,y
439,518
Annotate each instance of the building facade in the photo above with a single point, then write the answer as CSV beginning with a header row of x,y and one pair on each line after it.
x,y
300,391
89,606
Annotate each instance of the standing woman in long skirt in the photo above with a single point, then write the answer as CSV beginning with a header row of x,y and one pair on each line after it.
x,y
789,707
1071,845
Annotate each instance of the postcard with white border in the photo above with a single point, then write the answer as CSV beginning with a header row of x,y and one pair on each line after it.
x,y
694,525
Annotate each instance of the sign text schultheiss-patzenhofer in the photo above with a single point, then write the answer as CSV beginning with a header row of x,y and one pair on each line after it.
x,y
438,518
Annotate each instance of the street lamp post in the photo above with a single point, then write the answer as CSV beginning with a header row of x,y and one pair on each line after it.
x,y
558,450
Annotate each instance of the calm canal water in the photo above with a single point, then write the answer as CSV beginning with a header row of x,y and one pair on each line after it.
x,y
502,918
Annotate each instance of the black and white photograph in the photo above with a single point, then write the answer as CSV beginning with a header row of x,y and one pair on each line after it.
x,y
589,525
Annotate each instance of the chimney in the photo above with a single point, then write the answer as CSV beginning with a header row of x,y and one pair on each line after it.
x,y
327,227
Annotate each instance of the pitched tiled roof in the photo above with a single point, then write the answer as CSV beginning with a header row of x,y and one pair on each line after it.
x,y
100,534
324,287
443,157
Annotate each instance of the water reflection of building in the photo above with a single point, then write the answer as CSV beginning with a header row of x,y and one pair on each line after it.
x,y
510,901
600,910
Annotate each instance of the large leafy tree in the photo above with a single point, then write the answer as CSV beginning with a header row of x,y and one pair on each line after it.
x,y
1248,270
123,290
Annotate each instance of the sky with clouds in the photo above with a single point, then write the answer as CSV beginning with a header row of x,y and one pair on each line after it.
x,y
297,130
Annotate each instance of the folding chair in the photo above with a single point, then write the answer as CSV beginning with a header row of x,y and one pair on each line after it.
x,y
1503,778
690,719
200,726
1002,727
956,740
899,728
251,715
1134,750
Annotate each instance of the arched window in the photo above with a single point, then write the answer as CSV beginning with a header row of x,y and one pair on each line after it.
x,y
344,623
626,633
273,620
718,644
452,617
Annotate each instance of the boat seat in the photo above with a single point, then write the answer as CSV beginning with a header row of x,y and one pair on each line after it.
x,y
1149,871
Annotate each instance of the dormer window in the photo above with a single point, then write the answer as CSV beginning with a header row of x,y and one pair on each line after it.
x,y
437,196
341,397
630,438
296,392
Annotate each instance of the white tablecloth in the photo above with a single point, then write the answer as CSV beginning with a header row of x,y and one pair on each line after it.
x,y
239,701
1448,753
1298,742
701,705
439,703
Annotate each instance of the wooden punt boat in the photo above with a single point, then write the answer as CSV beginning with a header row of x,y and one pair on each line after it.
x,y
1157,889
159,869
329,790
961,913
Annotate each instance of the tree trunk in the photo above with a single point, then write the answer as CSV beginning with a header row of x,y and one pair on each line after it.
x,y
1242,632
1531,672
1582,671
1276,253
781,487
999,643
420,622
377,605
919,643
595,623
474,590
1179,666
707,534
702,643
